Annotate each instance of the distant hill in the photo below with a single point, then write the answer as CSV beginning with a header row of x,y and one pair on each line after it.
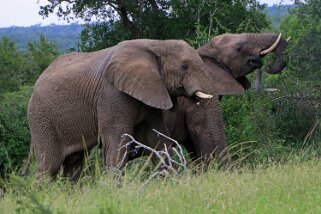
x,y
277,12
64,36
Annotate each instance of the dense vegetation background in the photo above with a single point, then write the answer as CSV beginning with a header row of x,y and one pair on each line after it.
x,y
274,124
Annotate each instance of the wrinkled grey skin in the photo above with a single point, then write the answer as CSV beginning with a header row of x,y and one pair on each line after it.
x,y
229,58
107,93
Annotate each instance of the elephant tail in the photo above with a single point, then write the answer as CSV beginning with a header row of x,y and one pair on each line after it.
x,y
25,171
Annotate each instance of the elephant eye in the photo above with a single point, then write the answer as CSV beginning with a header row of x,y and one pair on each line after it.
x,y
184,67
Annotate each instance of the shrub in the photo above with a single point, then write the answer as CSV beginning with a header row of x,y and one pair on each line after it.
x,y
14,133
267,126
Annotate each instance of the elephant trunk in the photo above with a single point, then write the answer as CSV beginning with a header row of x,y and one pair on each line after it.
x,y
192,86
271,42
215,125
279,62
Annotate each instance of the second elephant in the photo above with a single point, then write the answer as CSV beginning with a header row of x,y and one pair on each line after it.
x,y
229,58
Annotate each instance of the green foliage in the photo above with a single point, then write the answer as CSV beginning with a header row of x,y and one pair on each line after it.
x,y
249,118
265,126
251,127
158,19
23,68
14,132
304,26
301,84
13,64
41,54
18,69
100,35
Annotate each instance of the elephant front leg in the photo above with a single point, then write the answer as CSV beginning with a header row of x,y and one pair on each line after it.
x,y
114,152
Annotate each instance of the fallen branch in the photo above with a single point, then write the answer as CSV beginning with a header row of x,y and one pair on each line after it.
x,y
166,161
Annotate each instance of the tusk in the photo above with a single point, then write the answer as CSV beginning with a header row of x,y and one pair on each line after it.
x,y
202,95
272,47
288,39
271,90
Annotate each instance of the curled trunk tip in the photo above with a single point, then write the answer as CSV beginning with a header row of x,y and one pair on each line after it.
x,y
264,52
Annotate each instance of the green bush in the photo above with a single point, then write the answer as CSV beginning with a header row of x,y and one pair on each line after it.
x,y
265,126
14,133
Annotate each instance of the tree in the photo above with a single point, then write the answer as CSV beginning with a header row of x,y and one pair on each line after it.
x,y
40,54
299,109
157,19
23,68
303,24
12,65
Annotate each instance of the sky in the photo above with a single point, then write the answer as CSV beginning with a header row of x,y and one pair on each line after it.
x,y
25,12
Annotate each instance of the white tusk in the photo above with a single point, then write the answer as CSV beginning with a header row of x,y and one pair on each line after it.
x,y
202,95
288,39
273,46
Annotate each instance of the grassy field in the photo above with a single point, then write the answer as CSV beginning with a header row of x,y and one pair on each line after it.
x,y
294,187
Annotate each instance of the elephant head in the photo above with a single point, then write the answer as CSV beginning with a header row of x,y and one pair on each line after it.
x,y
231,57
152,71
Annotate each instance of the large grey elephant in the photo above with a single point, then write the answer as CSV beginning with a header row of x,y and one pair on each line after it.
x,y
229,58
108,93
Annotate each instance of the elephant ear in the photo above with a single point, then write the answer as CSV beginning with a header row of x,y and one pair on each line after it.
x,y
224,82
136,72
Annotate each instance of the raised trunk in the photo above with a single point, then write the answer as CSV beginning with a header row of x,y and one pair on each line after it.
x,y
266,40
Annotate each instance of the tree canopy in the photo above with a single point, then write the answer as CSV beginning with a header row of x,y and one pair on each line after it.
x,y
117,20
303,24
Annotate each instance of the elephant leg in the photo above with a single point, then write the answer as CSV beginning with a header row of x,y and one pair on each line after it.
x,y
48,155
157,139
73,165
190,150
114,156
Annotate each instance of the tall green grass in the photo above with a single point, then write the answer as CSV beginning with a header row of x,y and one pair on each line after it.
x,y
291,187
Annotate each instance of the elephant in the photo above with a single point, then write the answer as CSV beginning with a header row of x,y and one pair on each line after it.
x,y
107,93
228,58
231,57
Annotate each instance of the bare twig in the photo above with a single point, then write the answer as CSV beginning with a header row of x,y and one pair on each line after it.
x,y
166,162
180,153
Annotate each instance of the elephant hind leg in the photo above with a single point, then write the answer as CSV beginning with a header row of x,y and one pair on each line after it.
x,y
48,165
47,150
73,165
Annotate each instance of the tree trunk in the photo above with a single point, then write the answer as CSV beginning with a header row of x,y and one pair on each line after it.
x,y
258,80
124,17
